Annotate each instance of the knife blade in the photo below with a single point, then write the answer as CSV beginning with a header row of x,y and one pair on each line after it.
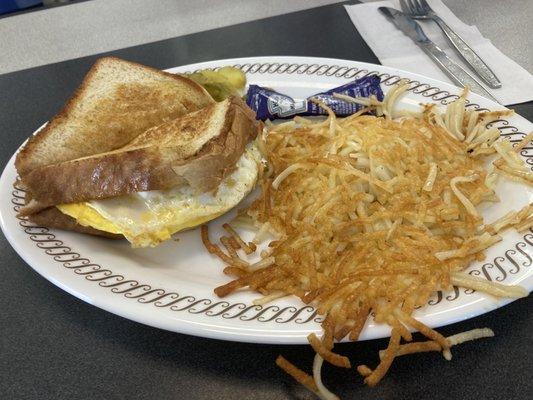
x,y
414,31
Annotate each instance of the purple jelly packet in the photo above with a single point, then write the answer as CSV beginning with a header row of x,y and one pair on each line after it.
x,y
269,104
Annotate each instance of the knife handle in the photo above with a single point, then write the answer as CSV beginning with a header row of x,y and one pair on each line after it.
x,y
454,70
470,56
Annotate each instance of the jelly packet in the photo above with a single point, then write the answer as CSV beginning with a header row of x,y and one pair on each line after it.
x,y
269,104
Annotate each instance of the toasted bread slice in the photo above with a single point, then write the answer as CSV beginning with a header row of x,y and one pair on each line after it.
x,y
117,101
198,149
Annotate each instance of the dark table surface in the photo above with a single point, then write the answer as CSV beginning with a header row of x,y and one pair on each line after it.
x,y
54,346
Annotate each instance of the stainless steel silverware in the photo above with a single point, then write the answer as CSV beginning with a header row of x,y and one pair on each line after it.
x,y
413,30
420,9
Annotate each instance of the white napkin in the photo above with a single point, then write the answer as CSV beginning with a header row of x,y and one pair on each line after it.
x,y
394,49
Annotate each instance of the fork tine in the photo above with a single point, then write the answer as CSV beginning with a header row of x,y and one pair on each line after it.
x,y
421,7
405,7
425,6
418,6
412,7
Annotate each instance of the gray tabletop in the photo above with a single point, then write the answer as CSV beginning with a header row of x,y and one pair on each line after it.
x,y
54,346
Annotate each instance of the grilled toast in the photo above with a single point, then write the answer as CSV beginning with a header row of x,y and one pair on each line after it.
x,y
117,101
198,150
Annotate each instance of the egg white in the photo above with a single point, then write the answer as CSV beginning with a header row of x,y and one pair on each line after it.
x,y
148,218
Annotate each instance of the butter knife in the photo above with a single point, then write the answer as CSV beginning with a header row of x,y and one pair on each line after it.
x,y
412,29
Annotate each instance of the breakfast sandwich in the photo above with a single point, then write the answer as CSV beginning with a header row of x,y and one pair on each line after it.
x,y
139,153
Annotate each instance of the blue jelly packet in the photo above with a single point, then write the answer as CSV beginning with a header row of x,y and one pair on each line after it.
x,y
269,104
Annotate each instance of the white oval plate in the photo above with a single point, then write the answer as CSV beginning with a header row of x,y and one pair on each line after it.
x,y
171,286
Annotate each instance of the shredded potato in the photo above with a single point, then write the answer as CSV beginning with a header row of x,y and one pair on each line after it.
x,y
299,375
373,214
418,347
323,392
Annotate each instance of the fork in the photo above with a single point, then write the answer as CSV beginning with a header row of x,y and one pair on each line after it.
x,y
420,9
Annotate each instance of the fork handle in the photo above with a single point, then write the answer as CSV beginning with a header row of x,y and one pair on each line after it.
x,y
459,75
471,57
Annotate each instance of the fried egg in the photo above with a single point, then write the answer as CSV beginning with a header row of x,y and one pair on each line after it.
x,y
148,218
